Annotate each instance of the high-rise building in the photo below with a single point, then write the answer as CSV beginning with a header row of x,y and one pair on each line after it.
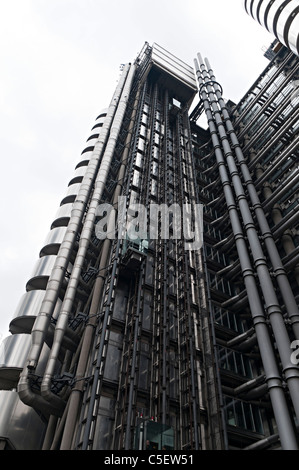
x,y
163,309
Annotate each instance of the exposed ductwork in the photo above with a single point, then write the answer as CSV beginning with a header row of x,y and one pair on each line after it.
x,y
210,94
91,187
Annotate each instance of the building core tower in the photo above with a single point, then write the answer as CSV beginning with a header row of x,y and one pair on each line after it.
x,y
162,312
114,342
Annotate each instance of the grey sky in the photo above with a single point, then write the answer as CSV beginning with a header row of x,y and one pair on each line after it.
x,y
59,67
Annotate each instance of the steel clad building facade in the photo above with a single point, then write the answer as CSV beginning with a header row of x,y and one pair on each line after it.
x,y
163,312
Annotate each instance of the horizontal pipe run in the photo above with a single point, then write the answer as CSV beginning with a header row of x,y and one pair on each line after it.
x,y
289,220
270,100
264,89
279,161
289,123
287,184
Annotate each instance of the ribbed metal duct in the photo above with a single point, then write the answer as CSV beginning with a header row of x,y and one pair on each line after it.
x,y
279,17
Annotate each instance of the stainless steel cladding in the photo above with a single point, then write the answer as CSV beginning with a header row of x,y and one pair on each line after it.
x,y
20,425
279,17
27,311
62,216
53,241
42,272
79,219
71,193
178,69
78,175
13,354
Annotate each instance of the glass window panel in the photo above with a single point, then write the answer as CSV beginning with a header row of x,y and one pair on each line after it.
x,y
257,420
247,367
239,364
231,361
230,411
248,417
112,362
239,414
222,358
146,317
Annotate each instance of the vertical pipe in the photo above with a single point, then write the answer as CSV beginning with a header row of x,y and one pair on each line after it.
x,y
205,269
278,400
105,322
84,241
77,391
57,275
42,322
279,271
272,306
96,376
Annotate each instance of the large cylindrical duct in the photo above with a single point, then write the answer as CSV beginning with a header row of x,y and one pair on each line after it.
x,y
279,17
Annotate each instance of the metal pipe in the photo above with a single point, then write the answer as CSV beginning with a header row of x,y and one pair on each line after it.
x,y
192,367
280,159
278,268
164,294
188,309
57,436
285,102
265,87
273,379
273,309
77,390
78,212
288,184
84,241
289,123
254,388
96,376
204,258
263,443
57,275
220,392
286,222
293,262
243,342
105,318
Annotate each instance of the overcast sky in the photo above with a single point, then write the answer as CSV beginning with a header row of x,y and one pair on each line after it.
x,y
60,62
